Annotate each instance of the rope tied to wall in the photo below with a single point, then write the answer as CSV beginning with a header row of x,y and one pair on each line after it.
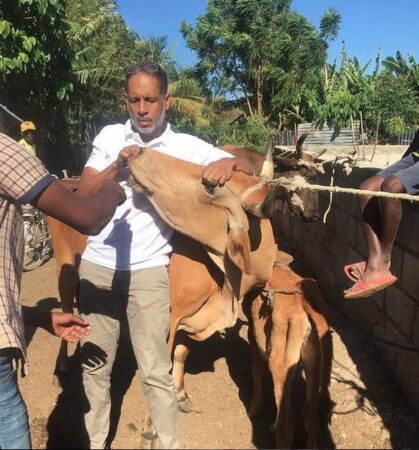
x,y
298,183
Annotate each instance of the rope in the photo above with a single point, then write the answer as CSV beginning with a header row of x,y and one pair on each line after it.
x,y
269,294
298,183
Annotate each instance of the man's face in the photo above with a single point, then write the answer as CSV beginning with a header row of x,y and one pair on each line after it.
x,y
29,136
147,105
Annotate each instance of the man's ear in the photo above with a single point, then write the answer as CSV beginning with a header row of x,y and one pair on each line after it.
x,y
167,102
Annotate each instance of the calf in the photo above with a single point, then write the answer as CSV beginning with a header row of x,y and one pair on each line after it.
x,y
286,328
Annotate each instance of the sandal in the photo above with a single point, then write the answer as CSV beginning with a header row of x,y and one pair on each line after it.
x,y
355,271
365,289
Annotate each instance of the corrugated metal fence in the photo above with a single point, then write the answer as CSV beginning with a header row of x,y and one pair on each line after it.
x,y
406,138
326,136
331,136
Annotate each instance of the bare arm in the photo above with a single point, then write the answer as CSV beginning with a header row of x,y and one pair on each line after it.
x,y
91,180
219,172
87,215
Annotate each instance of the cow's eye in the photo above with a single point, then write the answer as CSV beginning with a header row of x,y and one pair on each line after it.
x,y
209,187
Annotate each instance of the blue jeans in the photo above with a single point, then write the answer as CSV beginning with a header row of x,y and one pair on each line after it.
x,y
14,423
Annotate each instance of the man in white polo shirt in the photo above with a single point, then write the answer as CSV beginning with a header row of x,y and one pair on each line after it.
x,y
123,270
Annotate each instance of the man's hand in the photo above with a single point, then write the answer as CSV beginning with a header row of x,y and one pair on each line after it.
x,y
219,172
122,160
69,327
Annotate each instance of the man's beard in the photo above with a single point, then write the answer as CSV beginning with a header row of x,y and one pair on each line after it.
x,y
150,129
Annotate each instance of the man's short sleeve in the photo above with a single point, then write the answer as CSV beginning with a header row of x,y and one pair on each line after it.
x,y
22,176
99,158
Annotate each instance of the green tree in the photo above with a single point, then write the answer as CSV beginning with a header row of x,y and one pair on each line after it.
x,y
258,51
395,99
408,70
35,68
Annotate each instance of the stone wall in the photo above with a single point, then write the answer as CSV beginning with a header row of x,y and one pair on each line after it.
x,y
390,317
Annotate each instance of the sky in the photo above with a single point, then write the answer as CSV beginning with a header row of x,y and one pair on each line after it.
x,y
366,24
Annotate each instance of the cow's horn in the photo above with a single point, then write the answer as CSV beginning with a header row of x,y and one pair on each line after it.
x,y
267,171
299,147
318,154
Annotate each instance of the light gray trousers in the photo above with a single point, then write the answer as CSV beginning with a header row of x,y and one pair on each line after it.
x,y
143,295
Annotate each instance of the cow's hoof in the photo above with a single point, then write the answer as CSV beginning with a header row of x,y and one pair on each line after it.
x,y
147,440
184,404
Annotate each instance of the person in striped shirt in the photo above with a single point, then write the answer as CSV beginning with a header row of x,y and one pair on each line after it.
x,y
23,180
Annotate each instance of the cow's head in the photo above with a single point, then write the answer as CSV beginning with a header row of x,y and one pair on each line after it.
x,y
212,215
305,203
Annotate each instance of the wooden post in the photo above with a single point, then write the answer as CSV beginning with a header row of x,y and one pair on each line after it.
x,y
356,148
362,136
376,134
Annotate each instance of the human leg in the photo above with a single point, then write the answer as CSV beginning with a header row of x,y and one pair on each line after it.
x,y
381,224
390,217
148,318
400,177
14,423
374,267
102,309
371,221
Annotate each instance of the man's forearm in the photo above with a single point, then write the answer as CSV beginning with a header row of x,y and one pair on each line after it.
x,y
90,184
242,165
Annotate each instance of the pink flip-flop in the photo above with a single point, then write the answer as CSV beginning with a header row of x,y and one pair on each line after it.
x,y
363,288
355,271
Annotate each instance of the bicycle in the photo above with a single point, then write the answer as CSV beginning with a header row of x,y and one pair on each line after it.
x,y
38,247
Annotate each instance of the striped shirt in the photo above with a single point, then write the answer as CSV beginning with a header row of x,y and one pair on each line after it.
x,y
22,178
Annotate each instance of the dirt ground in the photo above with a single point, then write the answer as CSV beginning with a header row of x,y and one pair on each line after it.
x,y
370,412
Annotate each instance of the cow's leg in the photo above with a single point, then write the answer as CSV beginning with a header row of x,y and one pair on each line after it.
x,y
68,282
286,343
312,304
326,350
148,433
259,367
311,359
181,351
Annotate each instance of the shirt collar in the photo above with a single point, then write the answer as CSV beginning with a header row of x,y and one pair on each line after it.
x,y
131,134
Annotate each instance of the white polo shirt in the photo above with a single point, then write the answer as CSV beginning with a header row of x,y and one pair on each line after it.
x,y
137,237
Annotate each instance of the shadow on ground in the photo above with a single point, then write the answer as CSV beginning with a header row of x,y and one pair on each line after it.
x,y
65,422
236,351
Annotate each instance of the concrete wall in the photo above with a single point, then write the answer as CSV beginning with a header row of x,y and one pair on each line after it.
x,y
391,315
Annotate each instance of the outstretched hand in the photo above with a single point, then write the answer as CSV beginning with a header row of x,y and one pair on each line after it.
x,y
69,327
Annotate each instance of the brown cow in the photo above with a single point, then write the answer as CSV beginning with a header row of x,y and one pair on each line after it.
x,y
286,326
300,163
233,262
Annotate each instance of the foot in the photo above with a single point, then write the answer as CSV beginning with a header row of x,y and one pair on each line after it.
x,y
367,286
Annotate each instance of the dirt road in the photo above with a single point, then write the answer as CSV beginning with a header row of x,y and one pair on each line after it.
x,y
369,411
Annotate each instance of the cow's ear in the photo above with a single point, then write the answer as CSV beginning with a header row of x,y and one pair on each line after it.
x,y
275,199
238,249
283,259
